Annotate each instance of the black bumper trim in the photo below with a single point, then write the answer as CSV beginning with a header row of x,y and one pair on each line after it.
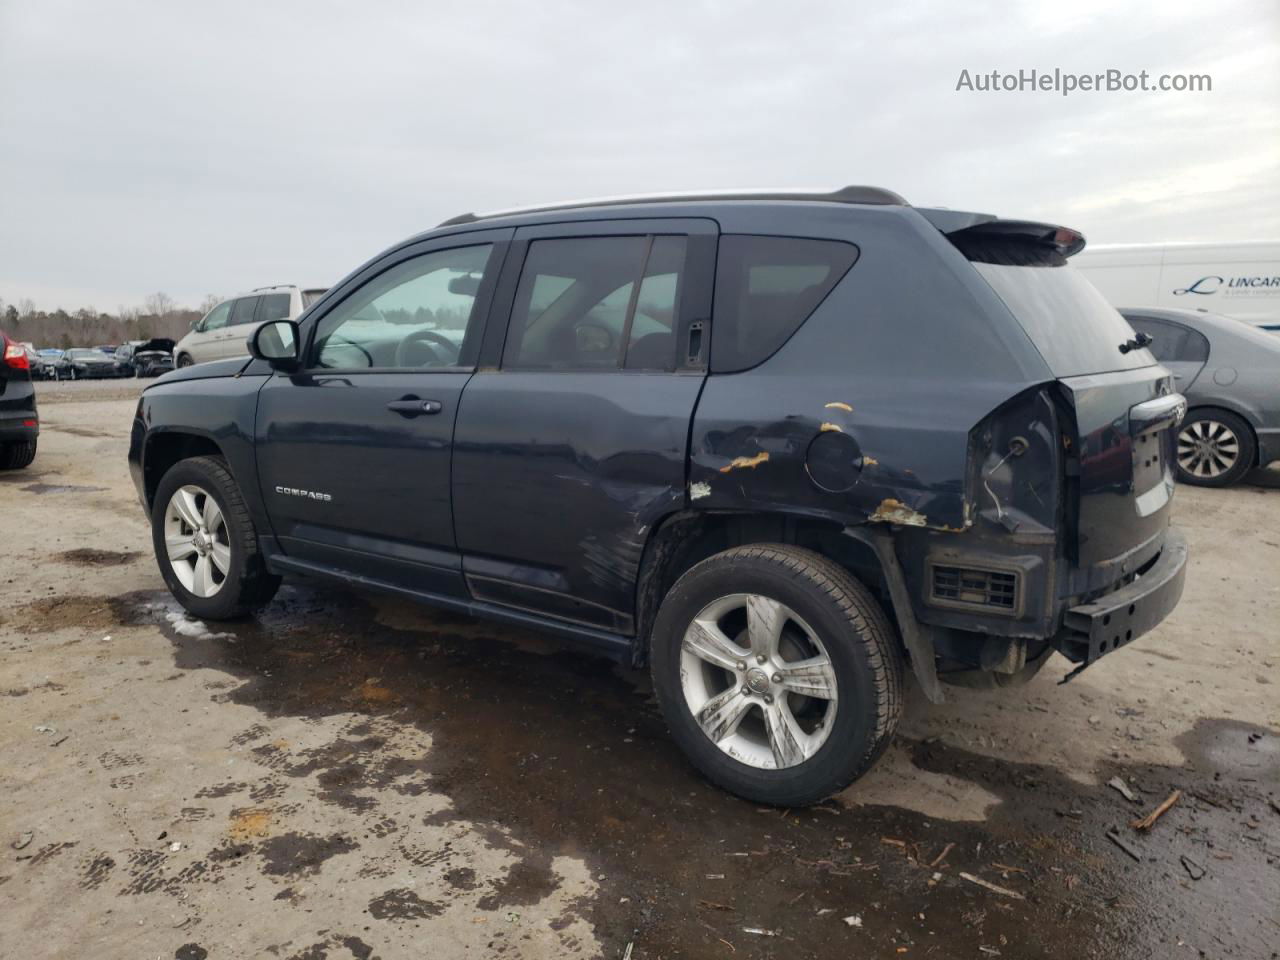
x,y
1093,630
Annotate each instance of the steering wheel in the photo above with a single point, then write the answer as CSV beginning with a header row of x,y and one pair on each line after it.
x,y
350,343
406,346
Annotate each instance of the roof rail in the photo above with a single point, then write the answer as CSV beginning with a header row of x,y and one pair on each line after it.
x,y
273,286
851,194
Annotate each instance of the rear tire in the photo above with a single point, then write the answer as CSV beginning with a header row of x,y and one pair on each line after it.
x,y
758,736
235,580
17,456
1216,448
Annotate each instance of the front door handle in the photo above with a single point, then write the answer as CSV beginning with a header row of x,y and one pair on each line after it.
x,y
413,407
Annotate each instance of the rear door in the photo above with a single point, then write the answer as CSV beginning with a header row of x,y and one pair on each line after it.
x,y
1120,398
572,438
354,450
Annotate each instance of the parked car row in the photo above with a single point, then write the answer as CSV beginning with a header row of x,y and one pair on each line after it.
x,y
135,358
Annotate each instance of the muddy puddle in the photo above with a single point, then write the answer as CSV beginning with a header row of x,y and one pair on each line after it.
x,y
551,753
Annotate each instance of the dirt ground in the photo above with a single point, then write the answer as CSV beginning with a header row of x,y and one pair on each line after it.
x,y
352,776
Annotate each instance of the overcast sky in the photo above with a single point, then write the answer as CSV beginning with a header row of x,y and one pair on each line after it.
x,y
209,148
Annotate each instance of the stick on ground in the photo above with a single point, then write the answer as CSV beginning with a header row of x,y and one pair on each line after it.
x,y
1147,822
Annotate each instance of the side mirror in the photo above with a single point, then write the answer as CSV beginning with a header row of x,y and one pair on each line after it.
x,y
277,343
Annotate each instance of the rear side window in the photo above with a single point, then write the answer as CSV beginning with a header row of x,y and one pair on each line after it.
x,y
1171,342
242,312
597,303
274,306
766,287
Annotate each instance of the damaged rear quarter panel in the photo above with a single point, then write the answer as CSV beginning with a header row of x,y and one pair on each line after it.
x,y
905,356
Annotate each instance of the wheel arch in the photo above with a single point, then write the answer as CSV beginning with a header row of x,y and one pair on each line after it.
x,y
167,447
687,537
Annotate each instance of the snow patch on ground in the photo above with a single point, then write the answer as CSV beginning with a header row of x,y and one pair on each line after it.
x,y
186,626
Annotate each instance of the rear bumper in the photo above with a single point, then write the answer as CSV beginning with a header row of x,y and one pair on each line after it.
x,y
28,428
18,417
1092,630
1268,446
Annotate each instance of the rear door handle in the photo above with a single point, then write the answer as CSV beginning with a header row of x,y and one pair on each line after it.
x,y
413,407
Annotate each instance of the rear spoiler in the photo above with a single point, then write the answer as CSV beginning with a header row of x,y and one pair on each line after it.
x,y
960,226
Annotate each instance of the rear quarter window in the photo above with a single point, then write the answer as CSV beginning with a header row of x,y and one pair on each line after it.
x,y
766,287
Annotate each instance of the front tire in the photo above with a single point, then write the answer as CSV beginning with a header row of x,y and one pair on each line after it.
x,y
778,673
184,360
1215,448
205,542
17,456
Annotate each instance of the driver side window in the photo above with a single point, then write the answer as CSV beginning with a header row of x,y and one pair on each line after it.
x,y
417,315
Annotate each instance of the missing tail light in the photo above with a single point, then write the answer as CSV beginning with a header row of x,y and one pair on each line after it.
x,y
1015,465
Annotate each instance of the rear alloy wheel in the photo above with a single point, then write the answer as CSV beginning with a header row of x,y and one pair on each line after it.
x,y
777,672
1215,448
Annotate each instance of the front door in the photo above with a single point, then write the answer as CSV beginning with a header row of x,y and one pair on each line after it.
x,y
354,451
572,440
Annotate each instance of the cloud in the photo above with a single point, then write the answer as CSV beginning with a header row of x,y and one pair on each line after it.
x,y
210,149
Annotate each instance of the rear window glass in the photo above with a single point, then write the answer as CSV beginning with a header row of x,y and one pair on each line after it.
x,y
1070,322
766,287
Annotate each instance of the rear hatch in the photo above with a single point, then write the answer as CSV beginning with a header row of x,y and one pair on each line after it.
x,y
1119,404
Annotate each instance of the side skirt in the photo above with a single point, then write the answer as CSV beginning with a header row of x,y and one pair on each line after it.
x,y
613,645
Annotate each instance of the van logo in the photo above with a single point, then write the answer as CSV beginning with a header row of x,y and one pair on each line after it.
x,y
1198,287
308,494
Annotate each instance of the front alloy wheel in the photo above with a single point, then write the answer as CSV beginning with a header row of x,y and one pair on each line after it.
x,y
196,540
758,680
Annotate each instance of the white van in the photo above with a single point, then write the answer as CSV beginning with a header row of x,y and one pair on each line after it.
x,y
225,330
1239,280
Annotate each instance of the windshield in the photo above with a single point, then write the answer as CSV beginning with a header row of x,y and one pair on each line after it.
x,y
1072,325
86,354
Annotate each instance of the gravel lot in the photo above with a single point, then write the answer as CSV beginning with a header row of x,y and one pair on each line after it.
x,y
352,776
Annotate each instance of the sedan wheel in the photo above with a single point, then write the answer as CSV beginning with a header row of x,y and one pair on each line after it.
x,y
197,543
1208,449
1215,448
759,681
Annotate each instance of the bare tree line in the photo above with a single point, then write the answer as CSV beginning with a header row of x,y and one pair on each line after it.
x,y
159,316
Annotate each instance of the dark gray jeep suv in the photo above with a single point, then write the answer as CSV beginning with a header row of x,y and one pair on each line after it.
x,y
778,446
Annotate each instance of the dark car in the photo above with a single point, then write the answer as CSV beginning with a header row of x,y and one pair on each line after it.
x,y
147,358
81,363
19,422
777,446
107,348
1229,371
